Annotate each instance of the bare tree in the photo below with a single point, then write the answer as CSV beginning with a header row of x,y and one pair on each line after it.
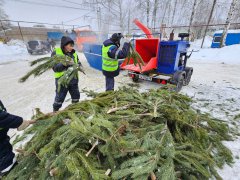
x,y
192,15
209,20
174,11
3,17
117,15
155,7
228,23
165,11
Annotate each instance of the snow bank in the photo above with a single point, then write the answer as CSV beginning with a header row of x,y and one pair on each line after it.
x,y
233,31
197,43
15,42
227,55
12,51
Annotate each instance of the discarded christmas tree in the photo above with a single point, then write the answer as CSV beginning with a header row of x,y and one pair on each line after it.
x,y
48,63
125,135
135,57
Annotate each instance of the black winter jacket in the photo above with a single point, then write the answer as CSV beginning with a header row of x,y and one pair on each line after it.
x,y
8,121
60,67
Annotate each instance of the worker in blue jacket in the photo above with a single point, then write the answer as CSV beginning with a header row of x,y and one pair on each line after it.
x,y
8,121
111,53
67,48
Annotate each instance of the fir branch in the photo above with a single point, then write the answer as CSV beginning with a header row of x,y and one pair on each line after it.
x,y
160,133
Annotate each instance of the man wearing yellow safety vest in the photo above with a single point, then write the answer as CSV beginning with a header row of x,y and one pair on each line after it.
x,y
110,56
59,69
9,121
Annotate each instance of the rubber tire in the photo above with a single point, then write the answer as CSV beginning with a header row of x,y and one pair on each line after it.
x,y
180,83
189,72
135,78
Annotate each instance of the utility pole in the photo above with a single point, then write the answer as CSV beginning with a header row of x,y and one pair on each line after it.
x,y
3,28
209,20
99,18
62,26
20,31
128,21
148,12
228,23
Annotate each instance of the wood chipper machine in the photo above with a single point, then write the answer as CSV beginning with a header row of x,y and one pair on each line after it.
x,y
164,61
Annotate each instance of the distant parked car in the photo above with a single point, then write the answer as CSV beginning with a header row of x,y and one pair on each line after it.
x,y
38,47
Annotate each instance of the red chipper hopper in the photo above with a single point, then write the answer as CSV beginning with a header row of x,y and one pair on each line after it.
x,y
147,49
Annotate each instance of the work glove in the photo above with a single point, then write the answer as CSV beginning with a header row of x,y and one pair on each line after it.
x,y
125,40
25,124
70,63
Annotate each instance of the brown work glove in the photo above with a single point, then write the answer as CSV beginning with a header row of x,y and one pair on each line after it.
x,y
25,124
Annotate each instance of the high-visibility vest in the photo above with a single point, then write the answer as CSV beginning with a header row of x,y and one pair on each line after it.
x,y
60,52
108,64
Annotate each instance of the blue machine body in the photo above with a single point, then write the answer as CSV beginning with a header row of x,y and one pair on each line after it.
x,y
233,37
169,53
93,54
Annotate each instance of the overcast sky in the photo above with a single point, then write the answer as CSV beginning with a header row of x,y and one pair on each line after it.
x,y
26,10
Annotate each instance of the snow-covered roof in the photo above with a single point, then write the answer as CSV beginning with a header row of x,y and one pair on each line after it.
x,y
236,31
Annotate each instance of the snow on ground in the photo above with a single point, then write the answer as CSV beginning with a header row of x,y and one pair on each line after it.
x,y
12,51
228,54
197,43
215,87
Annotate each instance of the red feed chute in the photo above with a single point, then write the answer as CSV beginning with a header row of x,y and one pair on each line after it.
x,y
143,28
147,49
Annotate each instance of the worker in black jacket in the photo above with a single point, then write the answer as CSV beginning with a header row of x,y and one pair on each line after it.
x,y
59,69
8,121
111,53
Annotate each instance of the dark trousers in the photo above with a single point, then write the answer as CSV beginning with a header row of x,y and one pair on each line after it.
x,y
6,154
61,95
109,83
109,76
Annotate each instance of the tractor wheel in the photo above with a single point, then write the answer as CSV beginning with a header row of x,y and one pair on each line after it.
x,y
180,83
189,72
135,78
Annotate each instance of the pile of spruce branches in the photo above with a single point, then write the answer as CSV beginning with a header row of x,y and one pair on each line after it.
x,y
125,135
